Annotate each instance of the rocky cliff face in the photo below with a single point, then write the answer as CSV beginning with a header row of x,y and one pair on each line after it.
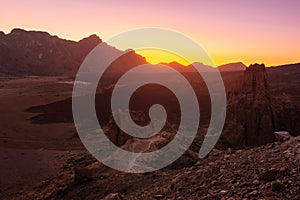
x,y
285,90
250,120
254,113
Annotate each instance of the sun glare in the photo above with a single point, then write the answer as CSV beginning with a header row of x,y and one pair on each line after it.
x,y
155,56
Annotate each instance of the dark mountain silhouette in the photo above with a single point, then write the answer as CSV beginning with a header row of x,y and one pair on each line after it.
x,y
230,67
239,66
38,53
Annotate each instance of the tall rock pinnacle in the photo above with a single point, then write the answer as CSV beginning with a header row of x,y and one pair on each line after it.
x,y
250,120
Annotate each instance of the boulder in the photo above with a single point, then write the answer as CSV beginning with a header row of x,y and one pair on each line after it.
x,y
90,172
114,196
282,136
118,136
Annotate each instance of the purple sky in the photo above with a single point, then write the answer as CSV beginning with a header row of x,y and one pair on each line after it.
x,y
232,30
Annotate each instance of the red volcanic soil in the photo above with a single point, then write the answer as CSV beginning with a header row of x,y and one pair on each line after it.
x,y
29,153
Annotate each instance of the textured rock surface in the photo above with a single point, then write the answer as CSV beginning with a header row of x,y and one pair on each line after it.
x,y
119,137
139,145
250,120
255,113
286,113
267,172
38,53
282,136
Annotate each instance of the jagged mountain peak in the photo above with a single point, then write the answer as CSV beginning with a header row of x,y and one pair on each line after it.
x,y
91,39
257,66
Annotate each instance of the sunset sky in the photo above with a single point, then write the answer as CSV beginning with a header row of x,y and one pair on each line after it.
x,y
263,31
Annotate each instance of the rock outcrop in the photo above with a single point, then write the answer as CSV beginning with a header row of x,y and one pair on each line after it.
x,y
282,136
250,120
286,113
154,143
254,113
119,137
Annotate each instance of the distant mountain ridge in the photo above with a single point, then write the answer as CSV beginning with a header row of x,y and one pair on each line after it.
x,y
239,66
39,53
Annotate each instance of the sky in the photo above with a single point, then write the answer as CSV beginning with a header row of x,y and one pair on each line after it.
x,y
250,31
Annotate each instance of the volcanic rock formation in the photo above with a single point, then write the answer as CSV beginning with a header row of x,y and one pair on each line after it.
x,y
254,113
250,120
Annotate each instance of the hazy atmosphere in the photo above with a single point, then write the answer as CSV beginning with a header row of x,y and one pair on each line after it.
x,y
230,31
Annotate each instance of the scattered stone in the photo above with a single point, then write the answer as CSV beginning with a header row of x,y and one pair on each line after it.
x,y
211,178
158,196
215,152
269,175
254,193
82,174
256,182
276,186
114,196
282,136
229,151
223,191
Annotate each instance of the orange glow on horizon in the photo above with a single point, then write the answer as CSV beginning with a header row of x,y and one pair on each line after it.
x,y
160,56
227,30
156,56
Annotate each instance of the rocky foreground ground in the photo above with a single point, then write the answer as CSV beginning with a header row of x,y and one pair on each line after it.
x,y
271,171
